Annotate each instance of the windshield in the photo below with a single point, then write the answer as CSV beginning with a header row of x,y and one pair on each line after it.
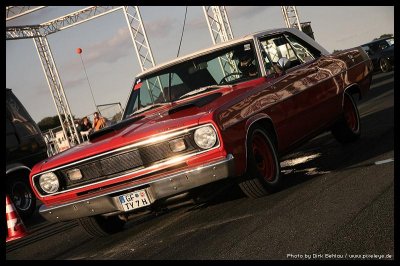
x,y
194,76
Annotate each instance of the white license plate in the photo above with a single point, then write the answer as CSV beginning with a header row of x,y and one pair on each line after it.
x,y
134,200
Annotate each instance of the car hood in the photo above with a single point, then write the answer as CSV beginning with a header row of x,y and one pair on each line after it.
x,y
165,118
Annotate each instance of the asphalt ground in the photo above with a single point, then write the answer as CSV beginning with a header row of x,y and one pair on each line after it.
x,y
337,202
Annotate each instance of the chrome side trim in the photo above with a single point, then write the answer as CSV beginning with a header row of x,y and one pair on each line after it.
x,y
167,186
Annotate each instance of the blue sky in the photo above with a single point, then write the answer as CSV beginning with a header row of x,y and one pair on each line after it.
x,y
111,61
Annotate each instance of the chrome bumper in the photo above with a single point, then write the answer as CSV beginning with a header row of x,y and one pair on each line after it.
x,y
161,188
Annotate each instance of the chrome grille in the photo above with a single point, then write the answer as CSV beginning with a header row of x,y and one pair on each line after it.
x,y
154,153
105,166
112,165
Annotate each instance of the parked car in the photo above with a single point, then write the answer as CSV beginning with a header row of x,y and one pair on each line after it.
x,y
205,117
25,147
381,53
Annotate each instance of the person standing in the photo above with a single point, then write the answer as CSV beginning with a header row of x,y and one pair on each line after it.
x,y
98,121
85,128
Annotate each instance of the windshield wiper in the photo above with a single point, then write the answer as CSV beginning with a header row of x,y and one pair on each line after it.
x,y
200,90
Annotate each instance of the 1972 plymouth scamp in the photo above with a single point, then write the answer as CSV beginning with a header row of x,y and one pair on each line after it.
x,y
229,111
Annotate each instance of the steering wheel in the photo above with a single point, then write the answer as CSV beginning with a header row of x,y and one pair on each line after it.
x,y
224,79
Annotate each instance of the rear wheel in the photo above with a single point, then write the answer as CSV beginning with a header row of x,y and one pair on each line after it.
x,y
99,226
347,128
22,195
263,169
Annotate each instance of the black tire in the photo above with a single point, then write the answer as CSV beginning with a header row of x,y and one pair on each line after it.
x,y
348,128
385,65
263,167
100,226
22,196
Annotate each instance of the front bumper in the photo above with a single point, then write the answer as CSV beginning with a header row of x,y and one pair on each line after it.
x,y
161,188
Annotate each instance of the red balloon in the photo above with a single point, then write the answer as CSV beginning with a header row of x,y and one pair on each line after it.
x,y
78,50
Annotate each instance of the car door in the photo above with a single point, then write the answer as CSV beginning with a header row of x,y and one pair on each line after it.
x,y
305,88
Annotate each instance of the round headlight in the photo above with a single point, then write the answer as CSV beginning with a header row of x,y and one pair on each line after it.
x,y
205,137
49,182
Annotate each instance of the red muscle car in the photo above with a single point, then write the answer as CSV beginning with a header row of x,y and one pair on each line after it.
x,y
227,112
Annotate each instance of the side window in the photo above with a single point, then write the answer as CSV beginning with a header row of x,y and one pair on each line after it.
x,y
276,47
11,138
304,51
367,50
9,127
24,124
383,45
266,60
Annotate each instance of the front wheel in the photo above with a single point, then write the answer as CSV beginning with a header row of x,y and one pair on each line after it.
x,y
347,128
99,226
263,169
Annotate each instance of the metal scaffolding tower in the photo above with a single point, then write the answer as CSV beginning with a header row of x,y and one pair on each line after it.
x,y
56,88
39,33
142,47
218,23
291,17
139,37
220,30
18,11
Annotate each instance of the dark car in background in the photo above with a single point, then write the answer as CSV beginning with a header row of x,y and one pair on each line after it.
x,y
25,147
381,53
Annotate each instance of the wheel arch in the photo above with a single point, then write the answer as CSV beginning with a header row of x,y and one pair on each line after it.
x,y
265,122
14,169
352,89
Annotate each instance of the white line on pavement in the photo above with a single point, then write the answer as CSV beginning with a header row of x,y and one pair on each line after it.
x,y
385,161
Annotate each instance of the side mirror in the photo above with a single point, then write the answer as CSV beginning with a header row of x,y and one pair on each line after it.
x,y
283,63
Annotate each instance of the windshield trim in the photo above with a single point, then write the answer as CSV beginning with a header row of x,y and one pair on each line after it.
x,y
192,56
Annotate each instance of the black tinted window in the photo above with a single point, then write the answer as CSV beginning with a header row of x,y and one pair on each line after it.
x,y
17,114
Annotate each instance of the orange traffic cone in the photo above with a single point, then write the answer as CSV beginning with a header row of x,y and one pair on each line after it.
x,y
16,228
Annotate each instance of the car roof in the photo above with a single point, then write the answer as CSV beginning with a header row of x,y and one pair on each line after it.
x,y
226,44
376,41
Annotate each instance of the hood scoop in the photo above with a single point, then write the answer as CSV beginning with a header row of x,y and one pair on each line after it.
x,y
197,102
114,127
